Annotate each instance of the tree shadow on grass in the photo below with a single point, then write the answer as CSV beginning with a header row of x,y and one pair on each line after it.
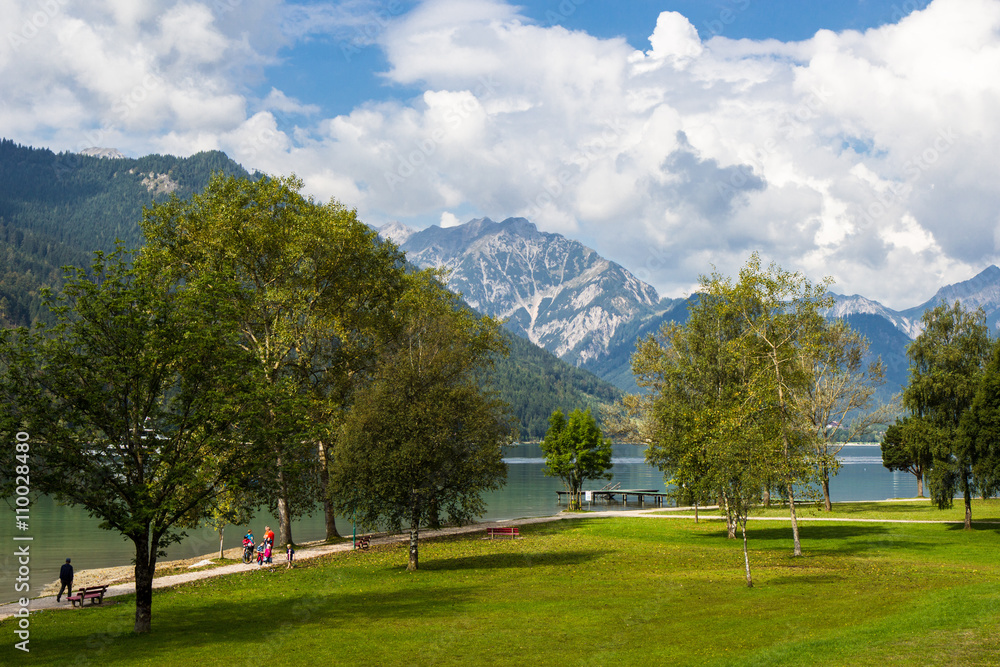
x,y
976,527
231,622
512,560
850,539
798,580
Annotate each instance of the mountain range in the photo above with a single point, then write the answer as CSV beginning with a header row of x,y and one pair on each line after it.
x,y
590,311
57,209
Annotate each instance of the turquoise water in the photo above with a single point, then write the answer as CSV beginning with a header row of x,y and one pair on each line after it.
x,y
60,532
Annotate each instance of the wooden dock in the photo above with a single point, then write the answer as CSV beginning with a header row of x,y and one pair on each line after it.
x,y
608,495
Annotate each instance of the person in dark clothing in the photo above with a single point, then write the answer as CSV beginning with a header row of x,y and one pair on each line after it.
x,y
66,577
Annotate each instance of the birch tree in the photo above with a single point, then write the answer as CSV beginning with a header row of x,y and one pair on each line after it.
x,y
839,400
423,438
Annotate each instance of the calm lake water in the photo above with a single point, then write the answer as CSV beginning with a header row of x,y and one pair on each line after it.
x,y
60,532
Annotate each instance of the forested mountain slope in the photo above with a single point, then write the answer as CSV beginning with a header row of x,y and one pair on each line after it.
x,y
57,209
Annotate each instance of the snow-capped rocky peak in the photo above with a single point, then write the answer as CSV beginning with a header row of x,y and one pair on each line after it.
x,y
556,292
396,232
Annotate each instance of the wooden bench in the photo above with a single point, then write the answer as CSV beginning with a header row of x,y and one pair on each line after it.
x,y
93,593
503,531
362,542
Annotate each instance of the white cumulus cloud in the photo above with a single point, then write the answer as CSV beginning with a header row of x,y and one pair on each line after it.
x,y
868,156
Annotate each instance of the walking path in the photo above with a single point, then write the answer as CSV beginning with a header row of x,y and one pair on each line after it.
x,y
48,602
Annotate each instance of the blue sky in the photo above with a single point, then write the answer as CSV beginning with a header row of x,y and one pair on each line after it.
x,y
340,71
856,140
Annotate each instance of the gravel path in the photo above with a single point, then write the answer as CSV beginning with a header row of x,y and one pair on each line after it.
x,y
114,576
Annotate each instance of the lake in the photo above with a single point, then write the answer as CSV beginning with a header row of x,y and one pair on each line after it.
x,y
60,532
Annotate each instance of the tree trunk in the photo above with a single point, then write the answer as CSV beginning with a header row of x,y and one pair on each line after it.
x,y
920,485
414,534
797,551
145,566
826,490
329,516
746,556
730,520
967,492
222,530
284,513
284,522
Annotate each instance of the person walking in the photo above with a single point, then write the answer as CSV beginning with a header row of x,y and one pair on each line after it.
x,y
66,578
269,541
289,555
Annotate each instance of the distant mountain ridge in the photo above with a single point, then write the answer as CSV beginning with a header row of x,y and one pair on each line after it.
x,y
554,291
57,209
590,311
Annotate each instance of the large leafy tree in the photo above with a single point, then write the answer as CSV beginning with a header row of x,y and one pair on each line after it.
x,y
907,447
704,428
946,362
781,312
576,451
314,293
979,429
134,403
839,401
423,437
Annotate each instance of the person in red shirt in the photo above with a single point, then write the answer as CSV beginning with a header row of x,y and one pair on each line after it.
x,y
269,541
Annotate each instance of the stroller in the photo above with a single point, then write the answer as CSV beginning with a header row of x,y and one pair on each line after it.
x,y
260,554
247,550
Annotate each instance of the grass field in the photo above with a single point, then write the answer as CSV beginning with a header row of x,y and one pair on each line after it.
x,y
910,510
592,591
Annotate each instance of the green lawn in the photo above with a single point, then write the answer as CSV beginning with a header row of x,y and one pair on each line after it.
x,y
594,591
907,510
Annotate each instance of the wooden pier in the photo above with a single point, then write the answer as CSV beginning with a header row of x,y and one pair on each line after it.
x,y
609,495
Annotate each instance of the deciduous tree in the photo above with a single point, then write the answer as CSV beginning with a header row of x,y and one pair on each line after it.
x,y
781,313
704,428
907,447
134,403
839,399
423,437
979,429
576,451
314,289
946,361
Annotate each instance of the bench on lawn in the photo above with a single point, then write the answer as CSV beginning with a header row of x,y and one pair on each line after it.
x,y
503,531
362,542
93,593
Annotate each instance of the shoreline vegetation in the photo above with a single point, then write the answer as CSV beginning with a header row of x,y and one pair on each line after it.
x,y
596,587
